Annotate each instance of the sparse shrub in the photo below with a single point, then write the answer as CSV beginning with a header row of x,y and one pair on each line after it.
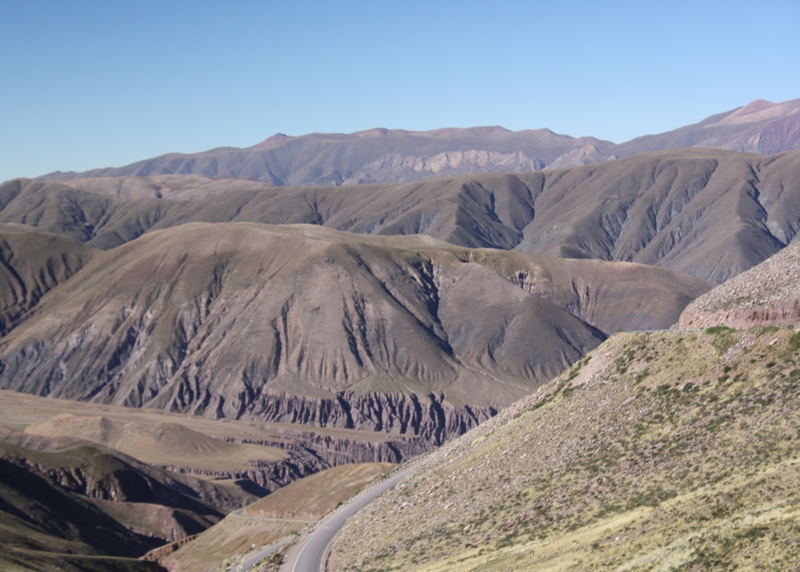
x,y
716,330
723,338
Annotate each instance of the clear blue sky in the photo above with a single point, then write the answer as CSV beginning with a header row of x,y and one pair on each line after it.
x,y
87,84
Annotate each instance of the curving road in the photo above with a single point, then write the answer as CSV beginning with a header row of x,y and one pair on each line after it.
x,y
309,554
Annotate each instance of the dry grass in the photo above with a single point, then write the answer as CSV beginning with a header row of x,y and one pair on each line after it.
x,y
158,443
226,542
288,508
317,495
659,452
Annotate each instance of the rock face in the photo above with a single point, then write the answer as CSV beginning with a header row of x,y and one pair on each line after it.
x,y
765,295
395,155
710,214
297,324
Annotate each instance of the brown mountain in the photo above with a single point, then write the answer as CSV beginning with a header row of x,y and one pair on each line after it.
x,y
71,508
31,264
311,325
396,155
711,214
759,127
374,156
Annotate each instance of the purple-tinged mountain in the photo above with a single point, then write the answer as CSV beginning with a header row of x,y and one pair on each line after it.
x,y
396,155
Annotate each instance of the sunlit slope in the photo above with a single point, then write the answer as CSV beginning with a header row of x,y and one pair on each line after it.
x,y
708,213
159,443
281,323
306,324
289,509
658,451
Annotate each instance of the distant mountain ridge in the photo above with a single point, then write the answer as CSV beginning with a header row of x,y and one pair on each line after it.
x,y
708,213
396,155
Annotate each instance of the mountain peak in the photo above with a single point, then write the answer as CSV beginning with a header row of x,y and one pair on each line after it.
x,y
272,142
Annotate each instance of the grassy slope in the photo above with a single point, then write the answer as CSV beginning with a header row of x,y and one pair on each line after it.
x,y
307,499
317,495
658,452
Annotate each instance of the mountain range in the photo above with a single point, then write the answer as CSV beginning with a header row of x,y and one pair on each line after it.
x,y
708,213
311,301
396,155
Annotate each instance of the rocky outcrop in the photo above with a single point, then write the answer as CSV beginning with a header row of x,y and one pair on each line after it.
x,y
311,454
339,451
765,295
429,417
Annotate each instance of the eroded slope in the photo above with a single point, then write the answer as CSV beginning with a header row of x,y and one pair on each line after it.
x,y
31,264
711,214
296,324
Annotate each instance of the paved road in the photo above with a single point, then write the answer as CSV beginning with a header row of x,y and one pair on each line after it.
x,y
309,554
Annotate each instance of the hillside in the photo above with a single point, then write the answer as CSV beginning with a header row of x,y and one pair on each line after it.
x,y
710,214
343,330
31,264
290,509
82,501
759,127
657,451
159,443
225,463
768,294
396,155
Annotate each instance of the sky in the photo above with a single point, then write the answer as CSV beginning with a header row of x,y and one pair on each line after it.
x,y
88,84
